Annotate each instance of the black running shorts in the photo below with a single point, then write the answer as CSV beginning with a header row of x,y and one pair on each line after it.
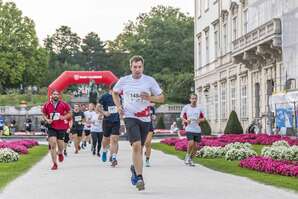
x,y
137,130
110,128
59,134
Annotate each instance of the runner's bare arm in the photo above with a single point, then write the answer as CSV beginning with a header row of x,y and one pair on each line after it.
x,y
158,99
116,99
45,117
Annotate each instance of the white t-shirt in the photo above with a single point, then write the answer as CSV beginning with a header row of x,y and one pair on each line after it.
x,y
88,115
130,89
96,124
193,114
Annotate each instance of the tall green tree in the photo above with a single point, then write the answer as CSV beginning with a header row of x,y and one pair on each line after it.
x,y
164,37
63,45
93,53
20,54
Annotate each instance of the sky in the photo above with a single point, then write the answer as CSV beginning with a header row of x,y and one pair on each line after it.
x,y
105,17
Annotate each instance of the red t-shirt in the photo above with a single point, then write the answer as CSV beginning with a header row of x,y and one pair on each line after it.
x,y
62,109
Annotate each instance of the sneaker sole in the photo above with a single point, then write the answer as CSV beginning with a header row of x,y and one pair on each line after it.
x,y
140,186
114,163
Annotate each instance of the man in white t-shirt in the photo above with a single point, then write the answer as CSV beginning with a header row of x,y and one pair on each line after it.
x,y
192,115
138,91
87,126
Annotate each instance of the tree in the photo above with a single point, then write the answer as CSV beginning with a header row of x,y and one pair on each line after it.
x,y
160,122
164,37
233,126
93,53
205,127
20,54
63,45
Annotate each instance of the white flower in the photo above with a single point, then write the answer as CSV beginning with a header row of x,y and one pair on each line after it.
x,y
8,155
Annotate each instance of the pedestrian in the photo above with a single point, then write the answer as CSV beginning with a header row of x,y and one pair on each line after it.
x,y
111,126
96,130
78,118
149,136
138,91
192,115
56,113
87,127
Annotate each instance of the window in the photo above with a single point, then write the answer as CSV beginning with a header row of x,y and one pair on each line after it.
x,y
206,5
207,46
216,39
225,38
234,26
233,95
216,102
245,21
199,52
223,110
243,97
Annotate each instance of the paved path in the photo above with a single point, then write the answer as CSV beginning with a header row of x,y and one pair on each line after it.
x,y
85,176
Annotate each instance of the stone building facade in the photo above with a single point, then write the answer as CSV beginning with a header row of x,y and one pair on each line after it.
x,y
238,59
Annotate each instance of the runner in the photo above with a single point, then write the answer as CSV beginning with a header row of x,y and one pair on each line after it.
x,y
78,118
67,137
111,126
192,115
149,136
138,91
55,113
96,130
87,127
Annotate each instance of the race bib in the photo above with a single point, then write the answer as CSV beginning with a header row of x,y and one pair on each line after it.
x,y
55,116
134,97
78,118
112,109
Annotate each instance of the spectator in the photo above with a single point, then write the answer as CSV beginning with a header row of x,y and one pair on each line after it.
x,y
12,126
1,124
28,125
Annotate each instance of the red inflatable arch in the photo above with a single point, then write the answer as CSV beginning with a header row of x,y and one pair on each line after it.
x,y
68,78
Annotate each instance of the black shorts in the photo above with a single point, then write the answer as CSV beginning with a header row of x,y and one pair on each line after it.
x,y
87,132
193,136
110,128
59,134
66,138
151,128
1,128
137,130
78,132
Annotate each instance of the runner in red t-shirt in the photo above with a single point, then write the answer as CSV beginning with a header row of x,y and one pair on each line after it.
x,y
56,113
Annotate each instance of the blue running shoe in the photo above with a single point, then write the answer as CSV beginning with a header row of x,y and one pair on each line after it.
x,y
104,156
134,178
140,184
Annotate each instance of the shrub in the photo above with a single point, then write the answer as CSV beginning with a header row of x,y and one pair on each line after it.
x,y
206,129
233,125
160,123
239,154
8,155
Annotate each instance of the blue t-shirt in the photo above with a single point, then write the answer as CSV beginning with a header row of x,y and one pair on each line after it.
x,y
1,121
108,104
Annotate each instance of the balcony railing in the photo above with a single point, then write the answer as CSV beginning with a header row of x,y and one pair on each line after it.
x,y
262,33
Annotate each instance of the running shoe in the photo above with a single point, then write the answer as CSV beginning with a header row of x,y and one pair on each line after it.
x,y
54,167
191,163
134,178
114,162
147,163
60,157
140,184
186,160
65,153
104,156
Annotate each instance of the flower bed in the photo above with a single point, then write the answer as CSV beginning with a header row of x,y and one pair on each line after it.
x,y
20,146
281,150
233,151
8,155
268,165
221,141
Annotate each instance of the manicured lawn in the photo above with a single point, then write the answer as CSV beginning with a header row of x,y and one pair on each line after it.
x,y
10,171
233,167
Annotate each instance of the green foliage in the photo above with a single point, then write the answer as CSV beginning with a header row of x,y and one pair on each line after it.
x,y
160,122
21,59
233,126
206,129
